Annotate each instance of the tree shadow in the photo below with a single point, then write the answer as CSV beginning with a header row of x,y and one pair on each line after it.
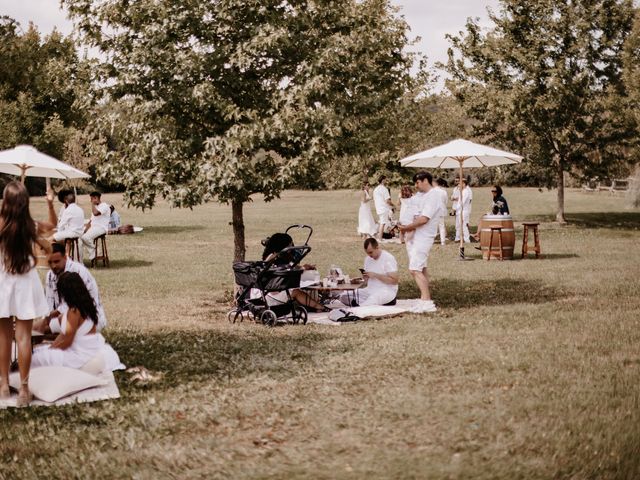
x,y
459,294
172,229
531,256
614,220
126,263
193,356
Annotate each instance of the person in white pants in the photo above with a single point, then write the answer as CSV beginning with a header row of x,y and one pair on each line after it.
x,y
467,197
383,203
70,223
98,225
440,189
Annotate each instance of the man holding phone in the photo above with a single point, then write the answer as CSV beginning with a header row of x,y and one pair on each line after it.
x,y
381,272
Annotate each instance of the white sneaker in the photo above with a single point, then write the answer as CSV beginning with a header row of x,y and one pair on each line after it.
x,y
423,306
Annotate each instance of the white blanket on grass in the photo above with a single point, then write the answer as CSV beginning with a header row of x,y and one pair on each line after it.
x,y
371,311
107,392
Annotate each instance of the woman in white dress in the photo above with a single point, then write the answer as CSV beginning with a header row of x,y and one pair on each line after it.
x,y
21,293
367,226
79,342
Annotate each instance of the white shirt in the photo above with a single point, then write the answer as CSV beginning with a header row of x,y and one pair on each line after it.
x,y
467,197
380,197
51,290
444,198
102,220
384,264
71,220
430,207
408,210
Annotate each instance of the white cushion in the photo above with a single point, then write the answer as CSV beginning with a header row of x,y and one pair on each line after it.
x,y
52,383
95,366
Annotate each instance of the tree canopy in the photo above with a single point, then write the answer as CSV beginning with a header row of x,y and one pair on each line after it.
x,y
547,80
221,100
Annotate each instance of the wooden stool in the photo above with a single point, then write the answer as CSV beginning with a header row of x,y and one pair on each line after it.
x,y
498,231
525,239
72,247
104,255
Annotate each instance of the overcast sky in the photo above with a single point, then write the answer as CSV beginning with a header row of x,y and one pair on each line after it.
x,y
429,19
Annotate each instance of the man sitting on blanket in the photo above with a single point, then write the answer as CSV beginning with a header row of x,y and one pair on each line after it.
x,y
381,273
58,264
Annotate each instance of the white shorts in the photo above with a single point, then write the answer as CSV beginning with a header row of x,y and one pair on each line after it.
x,y
419,254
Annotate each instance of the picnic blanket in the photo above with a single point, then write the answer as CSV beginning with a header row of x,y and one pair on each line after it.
x,y
372,311
103,392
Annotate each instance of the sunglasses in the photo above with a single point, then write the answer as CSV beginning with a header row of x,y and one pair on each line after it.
x,y
494,191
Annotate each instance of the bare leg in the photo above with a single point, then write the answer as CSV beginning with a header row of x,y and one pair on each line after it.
x,y
422,280
305,300
6,335
23,339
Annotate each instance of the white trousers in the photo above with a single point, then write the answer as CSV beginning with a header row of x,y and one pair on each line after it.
x,y
465,219
443,230
88,238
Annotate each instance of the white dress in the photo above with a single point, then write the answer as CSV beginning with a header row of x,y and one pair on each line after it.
x,y
86,346
21,296
366,223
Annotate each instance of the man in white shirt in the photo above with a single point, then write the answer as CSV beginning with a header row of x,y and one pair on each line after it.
x,y
440,189
425,228
465,206
70,223
99,224
383,203
381,272
59,263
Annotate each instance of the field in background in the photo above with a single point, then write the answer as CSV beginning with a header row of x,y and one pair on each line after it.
x,y
530,369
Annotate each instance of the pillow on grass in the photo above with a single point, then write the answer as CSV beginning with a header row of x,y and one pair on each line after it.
x,y
53,383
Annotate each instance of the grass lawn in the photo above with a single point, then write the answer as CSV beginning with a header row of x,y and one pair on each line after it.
x,y
530,369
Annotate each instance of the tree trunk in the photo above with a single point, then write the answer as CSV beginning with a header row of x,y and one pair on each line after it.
x,y
239,248
560,214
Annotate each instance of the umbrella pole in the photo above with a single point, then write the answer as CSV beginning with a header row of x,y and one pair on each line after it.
x,y
23,175
461,214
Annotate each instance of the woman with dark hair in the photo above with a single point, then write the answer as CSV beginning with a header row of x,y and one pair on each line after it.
x,y
79,342
500,205
21,293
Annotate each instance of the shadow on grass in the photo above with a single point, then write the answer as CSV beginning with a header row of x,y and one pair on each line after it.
x,y
172,229
192,356
531,256
458,294
614,220
126,263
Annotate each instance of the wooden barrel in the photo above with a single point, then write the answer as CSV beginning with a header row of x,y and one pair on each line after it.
x,y
508,236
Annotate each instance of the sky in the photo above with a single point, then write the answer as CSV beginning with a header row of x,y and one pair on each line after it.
x,y
428,19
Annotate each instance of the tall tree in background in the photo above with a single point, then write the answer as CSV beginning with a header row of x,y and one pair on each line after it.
x,y
222,100
44,89
547,81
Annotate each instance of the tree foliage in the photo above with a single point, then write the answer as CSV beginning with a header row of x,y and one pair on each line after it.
x,y
221,100
546,80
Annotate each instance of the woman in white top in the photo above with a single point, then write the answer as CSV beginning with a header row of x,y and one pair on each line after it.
x,y
407,208
366,223
21,293
79,342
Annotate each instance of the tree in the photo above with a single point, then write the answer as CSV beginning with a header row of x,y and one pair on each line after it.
x,y
222,100
44,89
547,80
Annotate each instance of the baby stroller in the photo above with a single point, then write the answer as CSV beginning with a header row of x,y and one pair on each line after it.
x,y
279,274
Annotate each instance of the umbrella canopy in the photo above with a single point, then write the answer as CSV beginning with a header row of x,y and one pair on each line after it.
x,y
460,154
26,161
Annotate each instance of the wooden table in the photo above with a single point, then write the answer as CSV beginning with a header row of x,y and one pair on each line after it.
x,y
351,290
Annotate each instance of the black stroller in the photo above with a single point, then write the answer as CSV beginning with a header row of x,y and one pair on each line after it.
x,y
279,274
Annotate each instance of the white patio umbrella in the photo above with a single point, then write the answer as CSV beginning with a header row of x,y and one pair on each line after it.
x,y
460,154
26,161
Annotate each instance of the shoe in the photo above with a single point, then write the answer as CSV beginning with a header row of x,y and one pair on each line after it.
x,y
424,306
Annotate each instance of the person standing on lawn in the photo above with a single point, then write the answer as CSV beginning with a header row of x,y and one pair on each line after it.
x,y
462,202
383,203
425,228
21,294
440,188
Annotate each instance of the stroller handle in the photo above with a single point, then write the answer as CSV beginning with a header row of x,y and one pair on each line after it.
x,y
301,226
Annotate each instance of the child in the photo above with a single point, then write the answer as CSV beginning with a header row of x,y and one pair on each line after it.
x,y
406,208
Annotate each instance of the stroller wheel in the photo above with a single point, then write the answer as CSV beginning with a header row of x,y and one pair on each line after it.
x,y
299,314
268,318
235,315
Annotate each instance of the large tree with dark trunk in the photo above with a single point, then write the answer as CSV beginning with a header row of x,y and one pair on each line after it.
x,y
546,80
220,100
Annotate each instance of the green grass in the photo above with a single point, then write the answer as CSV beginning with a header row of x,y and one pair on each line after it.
x,y
530,369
